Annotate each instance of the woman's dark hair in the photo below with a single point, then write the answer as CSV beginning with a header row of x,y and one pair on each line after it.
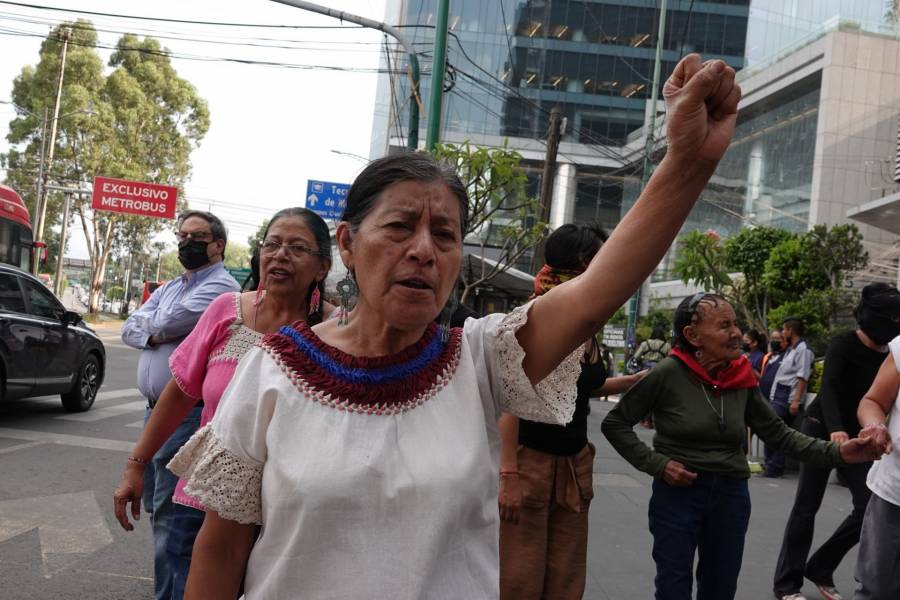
x,y
688,313
758,338
319,229
572,246
406,166
657,334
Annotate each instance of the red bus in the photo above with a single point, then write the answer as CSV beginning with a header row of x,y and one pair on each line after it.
x,y
16,239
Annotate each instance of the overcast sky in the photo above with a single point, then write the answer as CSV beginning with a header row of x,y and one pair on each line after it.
x,y
272,128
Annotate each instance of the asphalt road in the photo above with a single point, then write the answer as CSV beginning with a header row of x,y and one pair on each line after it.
x,y
59,539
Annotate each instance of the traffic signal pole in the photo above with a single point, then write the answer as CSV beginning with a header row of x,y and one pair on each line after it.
x,y
412,140
436,95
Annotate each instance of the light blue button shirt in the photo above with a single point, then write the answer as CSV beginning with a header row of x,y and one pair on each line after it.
x,y
170,314
796,364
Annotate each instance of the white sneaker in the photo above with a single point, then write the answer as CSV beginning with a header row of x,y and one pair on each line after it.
x,y
793,597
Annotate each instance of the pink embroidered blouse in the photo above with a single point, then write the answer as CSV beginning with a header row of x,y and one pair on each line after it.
x,y
204,363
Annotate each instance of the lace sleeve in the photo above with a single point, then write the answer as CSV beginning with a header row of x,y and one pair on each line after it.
x,y
498,358
222,481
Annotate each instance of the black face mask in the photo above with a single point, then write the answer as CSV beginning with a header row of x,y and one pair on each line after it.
x,y
745,347
192,255
880,328
775,346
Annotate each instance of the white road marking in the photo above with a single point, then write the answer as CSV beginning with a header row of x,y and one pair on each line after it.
x,y
66,440
107,412
70,526
137,424
17,447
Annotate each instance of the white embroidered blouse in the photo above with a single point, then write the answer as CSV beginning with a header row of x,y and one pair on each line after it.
x,y
371,477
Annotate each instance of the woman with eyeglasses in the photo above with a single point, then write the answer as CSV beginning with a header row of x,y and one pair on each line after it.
x,y
290,265
703,397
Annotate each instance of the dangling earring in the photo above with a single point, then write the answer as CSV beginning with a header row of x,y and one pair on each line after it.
x,y
314,300
347,290
446,315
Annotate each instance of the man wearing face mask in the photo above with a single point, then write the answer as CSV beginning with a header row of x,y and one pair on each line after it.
x,y
851,363
156,329
770,362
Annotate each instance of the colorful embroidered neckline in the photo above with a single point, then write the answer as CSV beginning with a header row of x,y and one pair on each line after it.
x,y
377,385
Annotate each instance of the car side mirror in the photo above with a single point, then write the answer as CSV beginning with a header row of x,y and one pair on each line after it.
x,y
71,318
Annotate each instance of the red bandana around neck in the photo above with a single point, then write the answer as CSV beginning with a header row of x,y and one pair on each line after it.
x,y
737,375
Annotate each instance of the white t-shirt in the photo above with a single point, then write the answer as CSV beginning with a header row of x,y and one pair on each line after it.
x,y
396,499
884,476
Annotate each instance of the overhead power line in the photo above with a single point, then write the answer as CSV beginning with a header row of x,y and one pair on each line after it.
x,y
183,21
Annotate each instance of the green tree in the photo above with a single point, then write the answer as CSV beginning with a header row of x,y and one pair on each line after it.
x,y
501,214
746,253
144,122
115,292
701,260
237,256
254,240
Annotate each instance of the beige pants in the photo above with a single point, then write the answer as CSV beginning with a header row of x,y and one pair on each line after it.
x,y
544,556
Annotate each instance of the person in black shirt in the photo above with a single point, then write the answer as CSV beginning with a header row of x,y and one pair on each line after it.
x,y
546,470
851,363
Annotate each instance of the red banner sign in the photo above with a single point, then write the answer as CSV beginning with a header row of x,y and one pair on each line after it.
x,y
134,197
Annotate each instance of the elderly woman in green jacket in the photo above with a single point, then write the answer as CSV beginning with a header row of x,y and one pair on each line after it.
x,y
702,398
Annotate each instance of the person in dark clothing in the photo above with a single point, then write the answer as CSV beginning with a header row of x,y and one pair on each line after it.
x,y
851,363
770,363
546,471
755,348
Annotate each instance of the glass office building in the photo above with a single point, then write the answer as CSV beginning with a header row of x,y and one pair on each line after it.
x,y
512,61
777,25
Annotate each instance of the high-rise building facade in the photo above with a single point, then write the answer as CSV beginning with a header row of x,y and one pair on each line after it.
x,y
775,26
512,61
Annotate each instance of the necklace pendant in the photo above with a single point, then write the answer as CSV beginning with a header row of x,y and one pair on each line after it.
x,y
721,426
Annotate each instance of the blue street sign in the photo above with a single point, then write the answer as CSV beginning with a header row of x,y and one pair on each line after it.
x,y
326,198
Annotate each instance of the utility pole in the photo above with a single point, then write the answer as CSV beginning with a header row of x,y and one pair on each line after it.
x,y
40,179
436,95
57,281
412,140
634,304
547,179
123,310
42,198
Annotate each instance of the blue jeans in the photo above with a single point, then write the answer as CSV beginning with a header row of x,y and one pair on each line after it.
x,y
710,518
159,485
186,522
780,404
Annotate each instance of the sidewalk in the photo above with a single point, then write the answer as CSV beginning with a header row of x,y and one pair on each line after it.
x,y
619,543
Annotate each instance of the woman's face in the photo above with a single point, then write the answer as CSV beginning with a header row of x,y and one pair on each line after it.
x,y
716,334
407,252
749,343
291,271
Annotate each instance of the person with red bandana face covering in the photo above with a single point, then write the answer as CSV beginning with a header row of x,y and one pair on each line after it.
x,y
702,398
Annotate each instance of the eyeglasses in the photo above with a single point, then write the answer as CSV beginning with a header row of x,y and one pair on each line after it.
x,y
200,236
271,248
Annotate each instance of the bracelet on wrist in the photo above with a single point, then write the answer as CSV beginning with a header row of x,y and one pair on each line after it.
x,y
509,473
137,460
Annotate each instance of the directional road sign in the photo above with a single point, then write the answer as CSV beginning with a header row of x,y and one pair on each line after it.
x,y
326,198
